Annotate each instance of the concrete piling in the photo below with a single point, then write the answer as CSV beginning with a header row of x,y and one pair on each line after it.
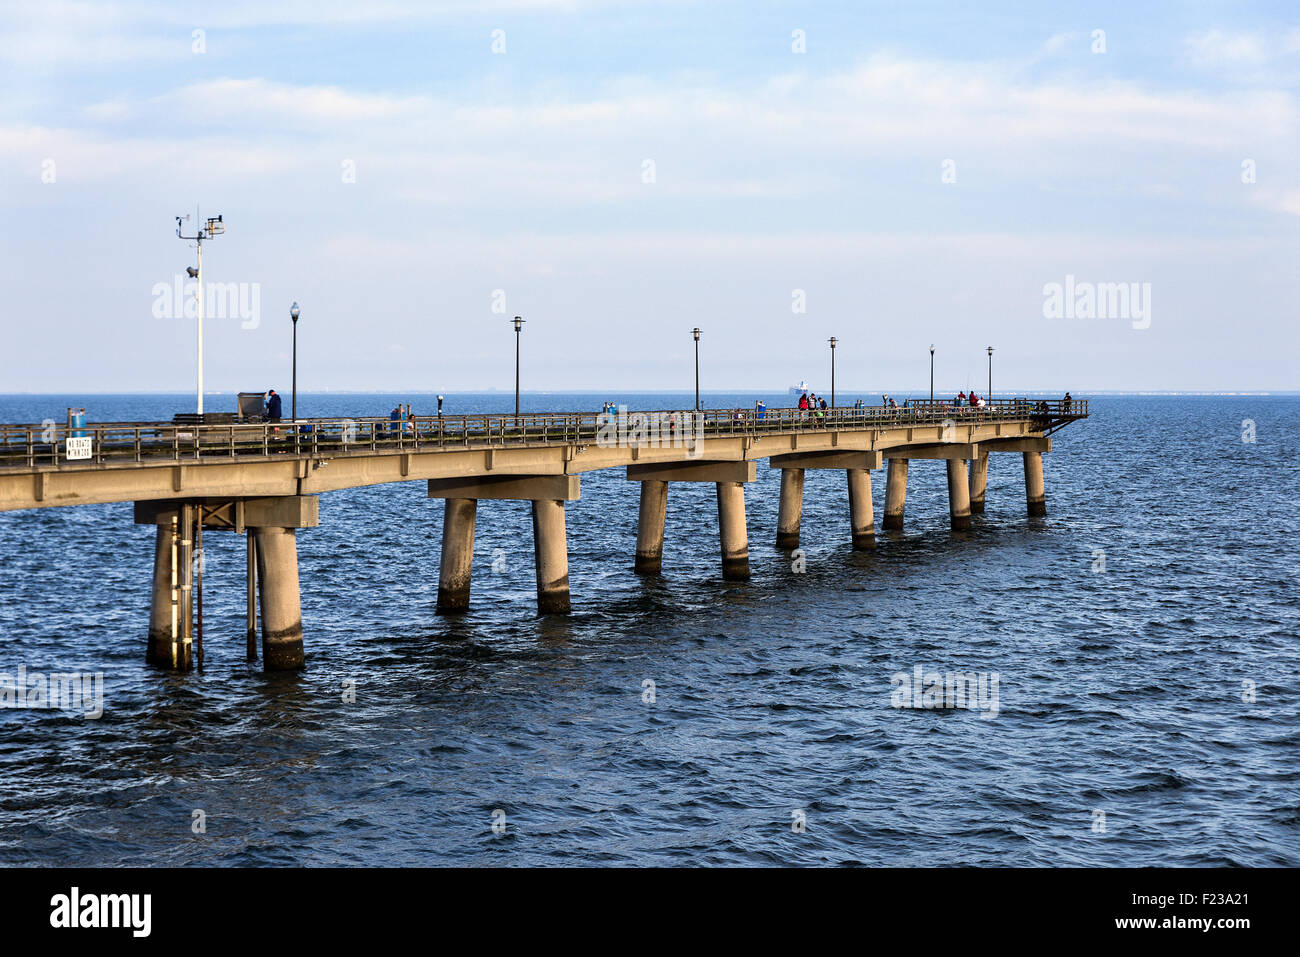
x,y
790,511
895,494
958,494
546,493
1035,493
551,552
862,519
250,612
162,628
277,572
732,533
979,479
650,527
456,567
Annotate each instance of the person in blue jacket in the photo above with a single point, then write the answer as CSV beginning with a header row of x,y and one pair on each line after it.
x,y
273,406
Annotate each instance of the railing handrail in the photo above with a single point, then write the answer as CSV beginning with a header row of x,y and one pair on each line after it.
x,y
1019,403
28,446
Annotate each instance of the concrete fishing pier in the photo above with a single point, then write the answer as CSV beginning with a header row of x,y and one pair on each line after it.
x,y
262,480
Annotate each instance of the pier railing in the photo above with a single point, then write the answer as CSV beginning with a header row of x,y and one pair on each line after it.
x,y
25,447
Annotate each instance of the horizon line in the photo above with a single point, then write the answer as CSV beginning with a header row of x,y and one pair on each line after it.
x,y
734,391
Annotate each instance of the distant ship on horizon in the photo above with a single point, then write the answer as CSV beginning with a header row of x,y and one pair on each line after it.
x,y
799,389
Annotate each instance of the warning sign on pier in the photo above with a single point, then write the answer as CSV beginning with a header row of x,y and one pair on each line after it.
x,y
79,447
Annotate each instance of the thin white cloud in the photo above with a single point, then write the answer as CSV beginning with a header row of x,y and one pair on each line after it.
x,y
796,135
79,34
1253,55
284,104
1216,48
108,111
886,99
1278,200
1058,42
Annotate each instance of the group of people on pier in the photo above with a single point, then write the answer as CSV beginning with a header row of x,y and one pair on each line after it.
x,y
811,402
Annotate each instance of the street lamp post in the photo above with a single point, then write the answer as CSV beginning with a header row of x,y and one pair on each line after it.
x,y
832,342
696,333
932,373
990,373
519,324
213,227
293,314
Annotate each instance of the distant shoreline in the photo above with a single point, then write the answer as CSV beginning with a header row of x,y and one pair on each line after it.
x,y
910,393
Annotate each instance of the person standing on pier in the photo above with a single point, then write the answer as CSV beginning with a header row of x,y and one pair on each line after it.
x,y
273,406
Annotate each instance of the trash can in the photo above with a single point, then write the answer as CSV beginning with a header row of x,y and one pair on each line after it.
x,y
251,406
76,422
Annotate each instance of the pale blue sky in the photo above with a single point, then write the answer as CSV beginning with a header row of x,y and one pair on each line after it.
x,y
775,171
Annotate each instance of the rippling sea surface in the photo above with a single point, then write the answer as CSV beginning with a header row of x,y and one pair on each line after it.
x,y
1125,690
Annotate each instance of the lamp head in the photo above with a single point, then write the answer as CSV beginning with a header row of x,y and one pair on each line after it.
x,y
293,312
519,323
990,350
696,333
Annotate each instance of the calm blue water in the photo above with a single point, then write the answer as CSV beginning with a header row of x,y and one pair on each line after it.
x,y
1120,691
